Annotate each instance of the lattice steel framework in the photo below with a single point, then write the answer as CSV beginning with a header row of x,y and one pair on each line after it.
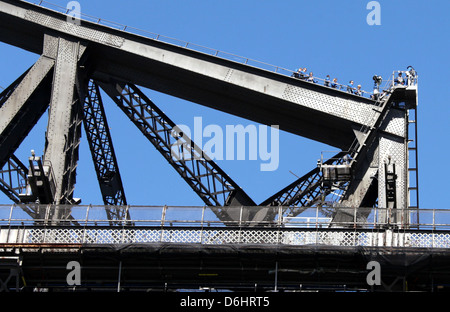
x,y
305,192
210,183
78,59
103,155
203,175
13,179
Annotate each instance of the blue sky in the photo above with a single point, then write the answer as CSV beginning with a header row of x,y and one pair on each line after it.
x,y
326,36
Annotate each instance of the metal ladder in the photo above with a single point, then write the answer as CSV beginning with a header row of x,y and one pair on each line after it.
x,y
413,163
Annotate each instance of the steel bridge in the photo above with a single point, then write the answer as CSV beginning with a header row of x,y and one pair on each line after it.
x,y
170,248
364,200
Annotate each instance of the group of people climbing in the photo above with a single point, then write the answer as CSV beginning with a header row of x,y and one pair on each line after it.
x,y
301,73
410,78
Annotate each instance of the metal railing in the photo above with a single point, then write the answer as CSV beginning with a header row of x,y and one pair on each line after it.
x,y
204,216
404,78
198,225
202,49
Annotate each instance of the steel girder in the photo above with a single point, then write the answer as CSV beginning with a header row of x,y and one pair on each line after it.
x,y
306,191
103,155
65,115
23,105
13,175
6,93
382,145
303,190
50,81
204,176
62,57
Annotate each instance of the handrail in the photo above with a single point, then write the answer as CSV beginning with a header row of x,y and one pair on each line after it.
x,y
194,47
179,216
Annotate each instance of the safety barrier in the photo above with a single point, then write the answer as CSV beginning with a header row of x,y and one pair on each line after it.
x,y
199,225
223,236
204,216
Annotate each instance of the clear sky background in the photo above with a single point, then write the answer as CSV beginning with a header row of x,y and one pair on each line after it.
x,y
326,36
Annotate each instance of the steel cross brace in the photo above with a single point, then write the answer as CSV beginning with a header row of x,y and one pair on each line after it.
x,y
13,179
204,176
306,191
103,155
22,104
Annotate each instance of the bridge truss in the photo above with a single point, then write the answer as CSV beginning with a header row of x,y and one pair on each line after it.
x,y
78,60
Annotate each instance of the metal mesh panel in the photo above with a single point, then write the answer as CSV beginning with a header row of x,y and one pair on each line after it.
x,y
344,108
229,236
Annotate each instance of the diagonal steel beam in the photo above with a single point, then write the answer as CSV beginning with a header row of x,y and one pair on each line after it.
x,y
294,193
203,175
300,194
103,155
13,175
6,92
23,105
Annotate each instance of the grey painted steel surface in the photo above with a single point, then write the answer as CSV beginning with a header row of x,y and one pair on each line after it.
x,y
102,151
24,107
63,130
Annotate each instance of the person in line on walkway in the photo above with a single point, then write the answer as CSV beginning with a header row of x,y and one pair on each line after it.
x,y
311,78
411,75
375,94
334,84
297,73
350,88
376,88
303,74
327,81
399,79
358,90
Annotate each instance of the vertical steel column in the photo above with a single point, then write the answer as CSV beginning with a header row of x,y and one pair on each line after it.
x,y
64,124
393,153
